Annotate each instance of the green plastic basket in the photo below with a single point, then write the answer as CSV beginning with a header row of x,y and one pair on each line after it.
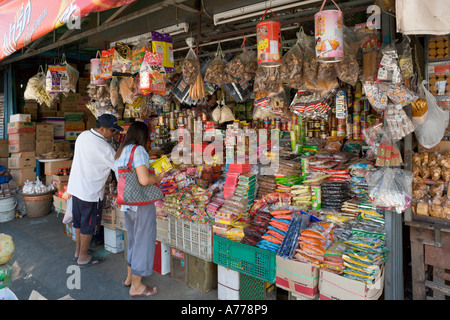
x,y
252,261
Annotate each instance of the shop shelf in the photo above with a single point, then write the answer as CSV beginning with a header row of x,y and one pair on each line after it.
x,y
193,238
246,259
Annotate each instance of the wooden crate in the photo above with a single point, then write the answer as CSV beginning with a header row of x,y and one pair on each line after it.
x,y
430,257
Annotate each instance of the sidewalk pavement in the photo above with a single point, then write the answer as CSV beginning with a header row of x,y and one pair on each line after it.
x,y
43,254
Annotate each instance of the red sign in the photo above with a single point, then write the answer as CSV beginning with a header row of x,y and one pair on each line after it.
x,y
23,21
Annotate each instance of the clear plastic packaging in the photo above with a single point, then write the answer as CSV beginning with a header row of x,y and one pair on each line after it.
x,y
390,188
243,66
388,70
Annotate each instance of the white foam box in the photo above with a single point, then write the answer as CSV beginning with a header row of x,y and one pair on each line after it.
x,y
335,287
114,240
296,276
227,284
20,117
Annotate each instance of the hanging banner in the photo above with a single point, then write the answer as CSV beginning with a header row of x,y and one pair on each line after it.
x,y
23,21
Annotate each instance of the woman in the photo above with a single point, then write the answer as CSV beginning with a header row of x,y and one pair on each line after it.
x,y
140,221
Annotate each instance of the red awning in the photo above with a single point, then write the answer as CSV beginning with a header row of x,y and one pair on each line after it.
x,y
23,21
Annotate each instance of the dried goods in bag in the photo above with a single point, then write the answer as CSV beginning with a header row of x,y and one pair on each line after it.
x,y
292,67
216,72
267,79
191,68
348,69
33,83
243,66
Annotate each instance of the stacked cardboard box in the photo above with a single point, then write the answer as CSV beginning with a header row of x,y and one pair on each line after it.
x,y
74,125
22,145
44,138
4,152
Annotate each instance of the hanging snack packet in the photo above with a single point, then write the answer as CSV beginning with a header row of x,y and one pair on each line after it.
x,y
57,79
137,55
377,95
388,70
106,61
121,63
399,94
152,74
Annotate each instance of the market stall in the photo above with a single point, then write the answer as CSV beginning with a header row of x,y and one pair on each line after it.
x,y
291,165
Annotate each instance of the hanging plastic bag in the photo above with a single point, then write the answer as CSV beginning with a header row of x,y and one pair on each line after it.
x,y
114,91
388,70
390,188
242,66
405,59
57,79
279,105
32,85
377,95
73,75
137,55
106,63
399,94
310,65
397,121
191,65
215,73
267,79
126,88
240,90
292,66
433,129
348,69
152,74
121,63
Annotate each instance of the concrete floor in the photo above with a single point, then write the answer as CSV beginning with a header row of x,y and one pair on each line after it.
x,y
43,254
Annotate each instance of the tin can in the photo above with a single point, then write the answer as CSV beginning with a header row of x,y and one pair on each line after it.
x,y
316,197
328,28
268,41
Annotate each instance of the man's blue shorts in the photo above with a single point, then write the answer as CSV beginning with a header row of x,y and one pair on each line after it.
x,y
86,216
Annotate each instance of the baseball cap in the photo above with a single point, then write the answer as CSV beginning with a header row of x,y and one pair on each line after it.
x,y
109,121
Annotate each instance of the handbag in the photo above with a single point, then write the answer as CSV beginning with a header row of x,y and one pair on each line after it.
x,y
130,191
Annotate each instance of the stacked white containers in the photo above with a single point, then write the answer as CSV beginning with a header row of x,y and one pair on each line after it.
x,y
227,284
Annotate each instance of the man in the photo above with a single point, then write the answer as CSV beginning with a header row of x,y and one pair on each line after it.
x,y
92,164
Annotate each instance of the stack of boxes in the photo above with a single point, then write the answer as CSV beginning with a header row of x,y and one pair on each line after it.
x,y
22,146
74,125
44,138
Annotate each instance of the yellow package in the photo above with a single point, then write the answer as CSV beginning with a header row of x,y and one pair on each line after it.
x,y
162,163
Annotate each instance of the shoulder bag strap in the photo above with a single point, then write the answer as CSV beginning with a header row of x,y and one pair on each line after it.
x,y
130,161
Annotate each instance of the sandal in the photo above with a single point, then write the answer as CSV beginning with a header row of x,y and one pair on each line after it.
x,y
90,251
125,285
148,291
93,261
